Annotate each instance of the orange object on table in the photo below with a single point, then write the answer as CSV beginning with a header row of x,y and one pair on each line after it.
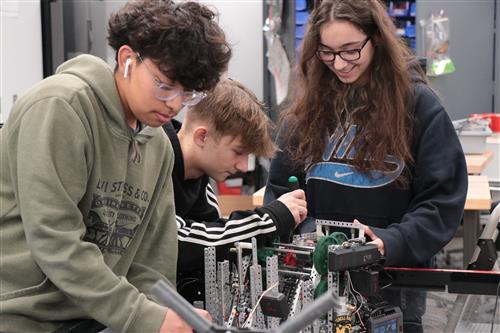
x,y
493,117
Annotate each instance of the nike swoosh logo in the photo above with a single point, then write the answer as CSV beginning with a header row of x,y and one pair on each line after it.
x,y
342,174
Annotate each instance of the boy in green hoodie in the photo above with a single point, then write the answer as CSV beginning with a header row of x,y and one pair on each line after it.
x,y
87,218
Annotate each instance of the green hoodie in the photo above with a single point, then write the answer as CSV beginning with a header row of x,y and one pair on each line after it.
x,y
87,220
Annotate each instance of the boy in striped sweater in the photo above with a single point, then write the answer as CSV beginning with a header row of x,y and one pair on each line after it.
x,y
214,142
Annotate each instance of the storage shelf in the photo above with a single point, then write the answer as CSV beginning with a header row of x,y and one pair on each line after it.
x,y
404,15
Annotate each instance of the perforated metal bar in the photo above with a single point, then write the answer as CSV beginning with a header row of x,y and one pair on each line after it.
x,y
272,279
307,298
211,299
346,225
224,288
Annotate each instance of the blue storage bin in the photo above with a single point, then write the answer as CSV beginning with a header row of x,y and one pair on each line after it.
x,y
413,9
300,5
397,8
300,30
301,17
298,44
413,43
410,30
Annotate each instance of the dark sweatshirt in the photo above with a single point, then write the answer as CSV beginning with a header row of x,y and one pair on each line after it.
x,y
414,222
200,224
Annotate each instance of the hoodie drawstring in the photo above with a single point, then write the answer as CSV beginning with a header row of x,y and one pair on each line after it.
x,y
134,152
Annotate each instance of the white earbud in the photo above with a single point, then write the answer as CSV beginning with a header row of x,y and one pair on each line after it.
x,y
127,65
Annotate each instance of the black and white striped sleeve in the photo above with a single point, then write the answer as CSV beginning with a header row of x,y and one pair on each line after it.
x,y
240,226
198,230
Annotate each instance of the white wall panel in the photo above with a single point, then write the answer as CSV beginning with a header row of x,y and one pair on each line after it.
x,y
21,64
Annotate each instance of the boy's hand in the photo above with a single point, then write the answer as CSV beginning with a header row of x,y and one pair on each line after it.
x,y
174,324
296,203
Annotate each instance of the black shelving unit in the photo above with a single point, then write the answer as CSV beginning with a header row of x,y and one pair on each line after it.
x,y
293,25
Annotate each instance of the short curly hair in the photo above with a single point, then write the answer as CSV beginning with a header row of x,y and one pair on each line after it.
x,y
183,39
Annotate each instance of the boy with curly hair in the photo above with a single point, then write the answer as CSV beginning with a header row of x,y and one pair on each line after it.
x,y
87,209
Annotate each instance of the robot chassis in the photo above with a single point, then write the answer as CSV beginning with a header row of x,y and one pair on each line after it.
x,y
235,296
351,300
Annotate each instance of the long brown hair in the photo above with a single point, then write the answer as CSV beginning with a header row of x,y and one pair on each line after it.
x,y
378,108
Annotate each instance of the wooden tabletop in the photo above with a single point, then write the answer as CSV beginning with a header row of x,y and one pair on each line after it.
x,y
258,197
477,162
229,203
478,194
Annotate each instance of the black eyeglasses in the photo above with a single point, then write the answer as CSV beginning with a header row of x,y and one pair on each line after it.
x,y
328,55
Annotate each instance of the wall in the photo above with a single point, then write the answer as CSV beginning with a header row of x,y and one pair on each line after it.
x,y
242,23
87,21
470,88
110,7
21,63
497,60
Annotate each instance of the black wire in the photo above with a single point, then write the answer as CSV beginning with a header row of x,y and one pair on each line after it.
x,y
184,280
391,280
495,309
377,309
187,282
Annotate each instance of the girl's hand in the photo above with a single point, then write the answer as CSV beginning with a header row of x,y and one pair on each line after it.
x,y
375,240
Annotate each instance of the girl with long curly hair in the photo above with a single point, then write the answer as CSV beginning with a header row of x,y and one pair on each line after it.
x,y
370,141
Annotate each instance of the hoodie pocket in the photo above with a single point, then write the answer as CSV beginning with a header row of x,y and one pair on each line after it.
x,y
27,291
